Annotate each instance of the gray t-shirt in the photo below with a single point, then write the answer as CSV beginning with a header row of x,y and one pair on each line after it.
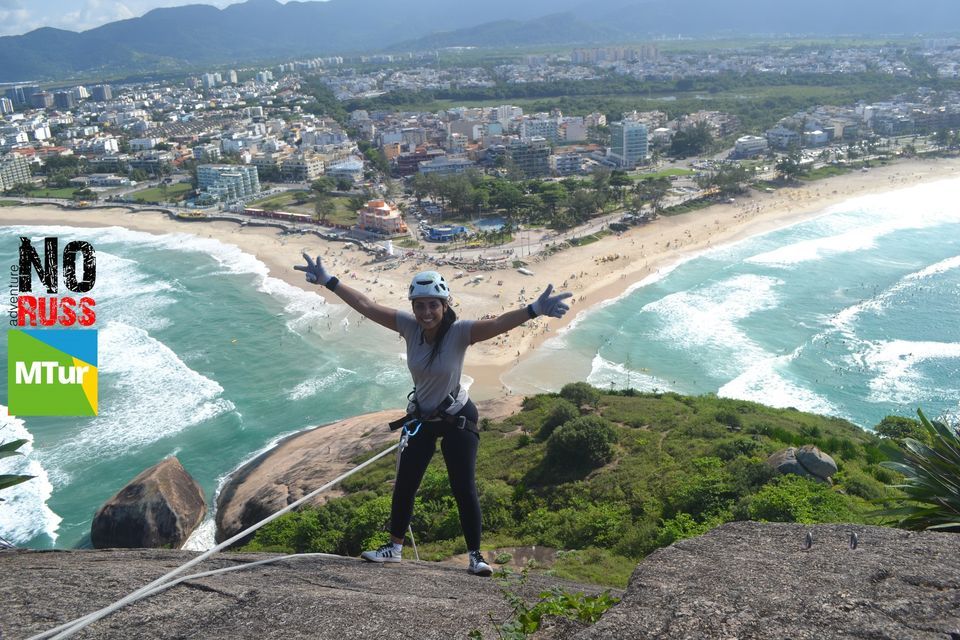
x,y
433,383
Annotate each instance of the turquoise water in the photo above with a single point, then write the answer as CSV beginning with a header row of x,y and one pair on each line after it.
x,y
201,356
205,357
851,314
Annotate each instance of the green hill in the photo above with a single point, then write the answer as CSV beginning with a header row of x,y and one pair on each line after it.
x,y
616,478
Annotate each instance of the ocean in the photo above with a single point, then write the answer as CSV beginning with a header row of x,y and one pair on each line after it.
x,y
850,314
202,356
205,357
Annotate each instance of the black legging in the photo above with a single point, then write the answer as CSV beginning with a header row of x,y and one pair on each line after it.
x,y
459,447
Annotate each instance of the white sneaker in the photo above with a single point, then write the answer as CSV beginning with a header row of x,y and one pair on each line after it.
x,y
478,566
385,553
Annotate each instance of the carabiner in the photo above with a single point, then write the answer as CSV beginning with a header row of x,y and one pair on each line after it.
x,y
407,431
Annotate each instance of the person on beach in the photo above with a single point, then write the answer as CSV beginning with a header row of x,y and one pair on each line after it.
x,y
436,346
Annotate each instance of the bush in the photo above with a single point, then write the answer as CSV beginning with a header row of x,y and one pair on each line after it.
x,y
581,394
900,427
582,443
708,490
791,498
730,449
562,412
729,418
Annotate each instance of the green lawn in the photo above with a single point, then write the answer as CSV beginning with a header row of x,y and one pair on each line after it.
x,y
286,201
65,192
174,193
665,173
826,171
10,203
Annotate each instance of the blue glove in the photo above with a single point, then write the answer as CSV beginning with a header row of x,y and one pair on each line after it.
x,y
316,274
553,306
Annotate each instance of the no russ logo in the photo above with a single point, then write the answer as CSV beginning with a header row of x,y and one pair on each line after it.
x,y
52,310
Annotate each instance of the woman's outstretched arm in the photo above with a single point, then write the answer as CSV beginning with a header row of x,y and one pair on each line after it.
x,y
357,301
546,304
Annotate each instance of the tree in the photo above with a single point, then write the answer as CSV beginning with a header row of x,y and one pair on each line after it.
x,y
582,443
582,204
553,195
323,208
8,449
901,427
692,141
580,393
323,185
788,167
619,180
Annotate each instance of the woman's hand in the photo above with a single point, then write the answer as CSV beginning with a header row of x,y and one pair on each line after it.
x,y
315,272
553,306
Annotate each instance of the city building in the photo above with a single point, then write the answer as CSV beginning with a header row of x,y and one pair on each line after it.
x,y
445,166
14,169
531,156
227,182
301,167
379,216
628,143
18,96
6,106
750,146
102,93
41,100
64,100
349,169
780,137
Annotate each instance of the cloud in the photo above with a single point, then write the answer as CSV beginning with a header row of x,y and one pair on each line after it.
x,y
13,20
10,4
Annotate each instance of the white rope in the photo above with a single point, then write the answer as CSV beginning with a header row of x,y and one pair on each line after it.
x,y
72,627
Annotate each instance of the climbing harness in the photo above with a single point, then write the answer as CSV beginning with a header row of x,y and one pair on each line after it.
x,y
446,413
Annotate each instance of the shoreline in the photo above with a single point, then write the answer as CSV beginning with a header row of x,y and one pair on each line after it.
x,y
594,273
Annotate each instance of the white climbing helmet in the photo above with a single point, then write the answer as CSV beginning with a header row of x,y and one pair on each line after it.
x,y
428,284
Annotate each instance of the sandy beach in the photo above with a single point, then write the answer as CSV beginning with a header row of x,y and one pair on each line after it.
x,y
593,273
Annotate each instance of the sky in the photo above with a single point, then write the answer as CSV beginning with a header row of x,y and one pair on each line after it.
x,y
20,16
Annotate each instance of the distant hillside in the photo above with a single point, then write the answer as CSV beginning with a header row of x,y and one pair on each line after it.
x,y
561,28
198,35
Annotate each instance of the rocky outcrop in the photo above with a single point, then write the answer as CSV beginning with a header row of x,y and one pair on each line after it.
x,y
308,460
159,508
741,580
758,581
807,461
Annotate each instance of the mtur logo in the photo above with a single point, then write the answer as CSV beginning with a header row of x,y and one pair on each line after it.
x,y
48,311
52,372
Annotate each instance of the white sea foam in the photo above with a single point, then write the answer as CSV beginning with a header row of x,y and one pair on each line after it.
x,y
895,365
154,394
707,319
606,374
844,319
858,223
313,386
24,513
764,382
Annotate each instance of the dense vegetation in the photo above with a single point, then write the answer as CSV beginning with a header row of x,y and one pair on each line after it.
x,y
613,475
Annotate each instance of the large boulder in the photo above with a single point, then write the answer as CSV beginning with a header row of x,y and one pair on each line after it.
x,y
159,508
807,461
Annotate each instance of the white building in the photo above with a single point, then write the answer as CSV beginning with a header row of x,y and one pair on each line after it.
x,y
227,182
14,169
628,143
750,146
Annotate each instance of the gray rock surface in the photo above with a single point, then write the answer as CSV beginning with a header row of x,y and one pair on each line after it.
x,y
816,462
807,461
308,460
160,507
749,580
306,597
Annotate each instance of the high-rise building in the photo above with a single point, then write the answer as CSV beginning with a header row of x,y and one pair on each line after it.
x,y
42,100
531,156
18,96
80,93
628,143
232,76
14,169
6,106
209,80
64,100
102,93
227,182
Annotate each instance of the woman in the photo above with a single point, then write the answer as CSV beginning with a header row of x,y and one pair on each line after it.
x,y
436,345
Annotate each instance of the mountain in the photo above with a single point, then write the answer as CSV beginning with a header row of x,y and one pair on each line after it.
x,y
198,35
560,28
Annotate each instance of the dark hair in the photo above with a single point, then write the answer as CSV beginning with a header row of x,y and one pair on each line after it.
x,y
449,317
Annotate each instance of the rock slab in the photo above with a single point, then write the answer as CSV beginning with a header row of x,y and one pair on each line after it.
x,y
159,508
757,581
